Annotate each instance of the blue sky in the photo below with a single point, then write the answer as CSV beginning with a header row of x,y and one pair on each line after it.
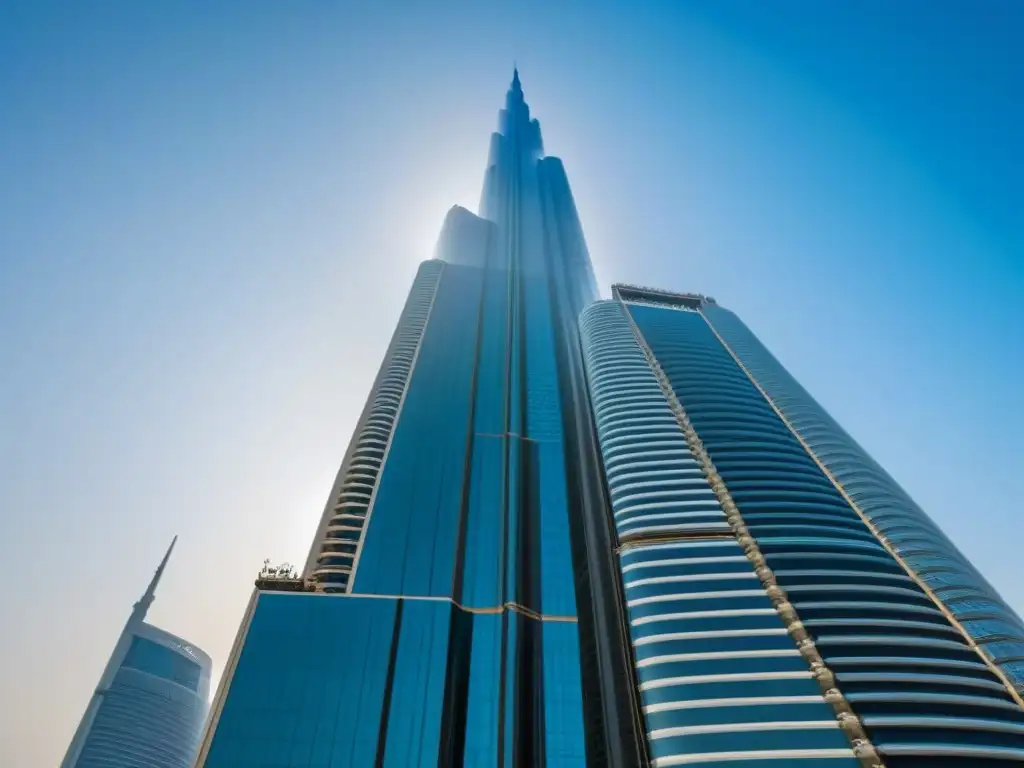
x,y
210,214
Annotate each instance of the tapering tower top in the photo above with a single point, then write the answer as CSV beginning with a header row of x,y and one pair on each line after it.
x,y
514,97
140,609
515,120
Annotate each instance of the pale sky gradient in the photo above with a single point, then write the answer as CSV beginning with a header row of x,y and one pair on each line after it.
x,y
210,214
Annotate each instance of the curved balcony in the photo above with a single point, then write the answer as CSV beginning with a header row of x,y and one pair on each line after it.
x,y
346,515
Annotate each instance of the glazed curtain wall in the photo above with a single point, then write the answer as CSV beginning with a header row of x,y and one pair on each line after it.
x,y
469,514
472,488
345,680
161,661
471,502
923,694
151,715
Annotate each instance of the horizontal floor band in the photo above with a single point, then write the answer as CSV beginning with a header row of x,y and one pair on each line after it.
x,y
778,725
739,701
669,636
945,723
691,577
492,610
697,596
726,613
684,561
762,754
953,750
657,539
774,653
725,677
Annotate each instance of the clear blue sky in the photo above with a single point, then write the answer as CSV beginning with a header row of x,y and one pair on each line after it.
x,y
210,214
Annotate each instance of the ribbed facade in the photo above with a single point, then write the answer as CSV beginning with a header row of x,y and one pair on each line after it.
x,y
720,678
151,714
336,546
904,681
657,488
904,525
150,704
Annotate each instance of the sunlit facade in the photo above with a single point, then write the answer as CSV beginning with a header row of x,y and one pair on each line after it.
x,y
150,704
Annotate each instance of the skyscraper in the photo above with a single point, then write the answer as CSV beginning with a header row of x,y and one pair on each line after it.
x,y
439,619
787,601
571,532
151,701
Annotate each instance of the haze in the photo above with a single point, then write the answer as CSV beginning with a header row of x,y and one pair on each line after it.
x,y
210,214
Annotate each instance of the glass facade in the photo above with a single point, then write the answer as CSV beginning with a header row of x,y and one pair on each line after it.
x,y
438,619
151,714
151,702
167,663
772,617
326,680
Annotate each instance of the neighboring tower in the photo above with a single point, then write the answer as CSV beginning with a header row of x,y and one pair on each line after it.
x,y
789,605
149,707
459,605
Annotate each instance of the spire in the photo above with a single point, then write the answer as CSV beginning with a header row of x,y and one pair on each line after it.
x,y
140,608
516,85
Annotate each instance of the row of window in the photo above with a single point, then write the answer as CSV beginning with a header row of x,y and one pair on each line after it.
x,y
344,531
920,543
328,681
144,721
912,678
721,681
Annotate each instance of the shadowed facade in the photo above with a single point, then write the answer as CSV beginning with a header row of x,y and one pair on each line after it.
x,y
459,605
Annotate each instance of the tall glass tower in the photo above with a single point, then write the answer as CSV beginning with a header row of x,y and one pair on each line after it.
x,y
459,605
789,605
616,533
151,701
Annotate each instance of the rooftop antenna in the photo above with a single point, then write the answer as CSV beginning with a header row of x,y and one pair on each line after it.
x,y
140,609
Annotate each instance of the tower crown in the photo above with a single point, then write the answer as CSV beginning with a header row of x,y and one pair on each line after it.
x,y
140,608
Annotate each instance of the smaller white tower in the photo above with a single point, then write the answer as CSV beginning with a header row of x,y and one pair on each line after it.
x,y
150,704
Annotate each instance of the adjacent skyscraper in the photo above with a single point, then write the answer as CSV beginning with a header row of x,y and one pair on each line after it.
x,y
570,532
151,701
787,601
